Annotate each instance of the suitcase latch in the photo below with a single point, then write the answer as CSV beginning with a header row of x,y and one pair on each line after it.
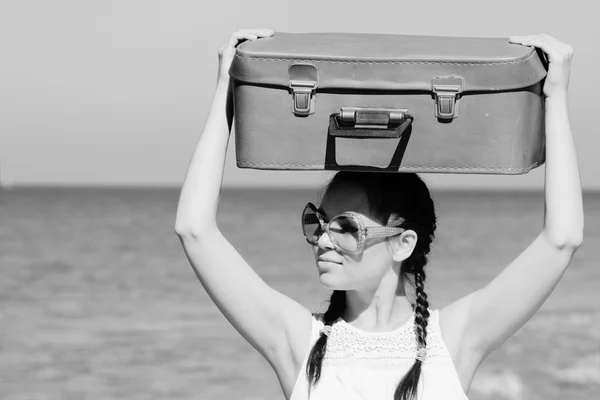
x,y
302,93
446,90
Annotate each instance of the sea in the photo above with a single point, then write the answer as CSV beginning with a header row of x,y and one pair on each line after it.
x,y
98,301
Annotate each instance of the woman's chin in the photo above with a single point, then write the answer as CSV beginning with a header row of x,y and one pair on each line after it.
x,y
328,281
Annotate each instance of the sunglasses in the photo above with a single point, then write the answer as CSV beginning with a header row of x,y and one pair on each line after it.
x,y
346,231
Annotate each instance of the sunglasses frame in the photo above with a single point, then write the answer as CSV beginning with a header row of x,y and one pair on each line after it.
x,y
364,232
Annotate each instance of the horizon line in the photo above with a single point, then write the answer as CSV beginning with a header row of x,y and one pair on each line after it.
x,y
120,186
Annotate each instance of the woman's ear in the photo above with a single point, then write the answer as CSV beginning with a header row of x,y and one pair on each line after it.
x,y
403,245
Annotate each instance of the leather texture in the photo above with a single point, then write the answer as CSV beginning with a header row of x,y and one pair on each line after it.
x,y
499,110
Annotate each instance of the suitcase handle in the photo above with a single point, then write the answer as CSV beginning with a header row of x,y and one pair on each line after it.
x,y
359,122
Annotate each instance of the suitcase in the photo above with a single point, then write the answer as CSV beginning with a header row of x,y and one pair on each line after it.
x,y
376,102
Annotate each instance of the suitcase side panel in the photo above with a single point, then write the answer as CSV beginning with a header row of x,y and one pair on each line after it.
x,y
495,133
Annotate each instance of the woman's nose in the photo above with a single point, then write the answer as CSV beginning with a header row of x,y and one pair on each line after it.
x,y
324,241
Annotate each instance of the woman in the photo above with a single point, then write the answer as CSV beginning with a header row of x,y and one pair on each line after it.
x,y
372,343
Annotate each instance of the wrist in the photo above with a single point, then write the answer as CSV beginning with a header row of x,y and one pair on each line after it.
x,y
560,97
223,81
223,88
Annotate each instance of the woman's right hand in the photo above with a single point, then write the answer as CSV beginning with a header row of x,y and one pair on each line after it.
x,y
227,52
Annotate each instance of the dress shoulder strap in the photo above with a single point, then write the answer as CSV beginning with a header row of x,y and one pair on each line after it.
x,y
300,391
433,325
434,318
317,324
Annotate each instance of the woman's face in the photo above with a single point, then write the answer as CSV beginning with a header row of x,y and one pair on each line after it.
x,y
345,271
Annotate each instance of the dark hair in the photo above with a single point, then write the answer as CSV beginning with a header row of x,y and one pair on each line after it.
x,y
392,198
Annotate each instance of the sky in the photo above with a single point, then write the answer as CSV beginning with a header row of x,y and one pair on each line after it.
x,y
117,92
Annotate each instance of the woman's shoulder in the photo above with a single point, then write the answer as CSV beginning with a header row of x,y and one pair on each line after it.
x,y
318,320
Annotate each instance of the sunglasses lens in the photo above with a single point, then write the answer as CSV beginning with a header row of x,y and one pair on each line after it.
x,y
310,225
346,233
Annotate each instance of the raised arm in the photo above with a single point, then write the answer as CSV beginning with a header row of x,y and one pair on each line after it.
x,y
258,312
494,313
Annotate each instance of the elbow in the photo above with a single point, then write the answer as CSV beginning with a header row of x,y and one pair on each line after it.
x,y
569,241
194,231
575,241
183,231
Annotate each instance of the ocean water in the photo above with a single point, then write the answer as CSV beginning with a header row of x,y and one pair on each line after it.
x,y
97,299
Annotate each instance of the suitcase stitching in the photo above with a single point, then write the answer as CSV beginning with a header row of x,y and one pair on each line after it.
x,y
387,62
403,166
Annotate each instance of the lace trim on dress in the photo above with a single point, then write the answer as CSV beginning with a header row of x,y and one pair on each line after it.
x,y
348,345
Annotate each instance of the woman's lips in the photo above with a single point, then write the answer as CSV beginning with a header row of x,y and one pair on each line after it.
x,y
327,263
331,260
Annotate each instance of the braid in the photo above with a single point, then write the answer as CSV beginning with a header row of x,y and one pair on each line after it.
x,y
407,387
421,310
337,304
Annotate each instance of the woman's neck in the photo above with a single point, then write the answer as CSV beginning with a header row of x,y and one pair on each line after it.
x,y
377,311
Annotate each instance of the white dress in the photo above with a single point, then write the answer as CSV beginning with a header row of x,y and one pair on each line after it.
x,y
361,365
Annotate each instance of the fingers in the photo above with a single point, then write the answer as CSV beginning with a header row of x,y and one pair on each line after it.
x,y
249,34
554,49
542,41
538,38
245,34
238,36
259,32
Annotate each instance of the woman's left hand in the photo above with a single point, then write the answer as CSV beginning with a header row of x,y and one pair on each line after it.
x,y
559,56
